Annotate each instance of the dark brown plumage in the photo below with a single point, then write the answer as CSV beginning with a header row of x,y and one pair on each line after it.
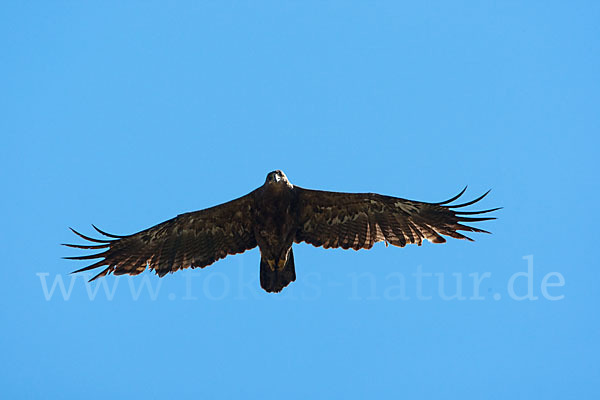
x,y
273,217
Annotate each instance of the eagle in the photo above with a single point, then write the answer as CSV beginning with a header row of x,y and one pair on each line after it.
x,y
274,217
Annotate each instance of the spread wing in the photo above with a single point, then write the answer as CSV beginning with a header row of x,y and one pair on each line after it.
x,y
194,239
359,220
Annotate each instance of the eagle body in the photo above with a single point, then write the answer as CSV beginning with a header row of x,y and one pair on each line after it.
x,y
274,217
276,220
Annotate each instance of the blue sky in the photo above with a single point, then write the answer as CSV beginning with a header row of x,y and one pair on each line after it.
x,y
125,114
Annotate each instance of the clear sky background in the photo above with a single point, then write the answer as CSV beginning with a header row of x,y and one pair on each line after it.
x,y
125,114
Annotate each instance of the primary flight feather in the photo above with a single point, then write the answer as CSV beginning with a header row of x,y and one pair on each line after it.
x,y
273,217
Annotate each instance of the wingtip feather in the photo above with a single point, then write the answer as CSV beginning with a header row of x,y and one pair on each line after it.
x,y
89,267
106,233
471,202
478,212
89,238
453,198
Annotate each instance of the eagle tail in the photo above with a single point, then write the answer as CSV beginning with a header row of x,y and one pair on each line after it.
x,y
273,281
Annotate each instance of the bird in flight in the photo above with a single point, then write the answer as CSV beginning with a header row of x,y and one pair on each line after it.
x,y
273,217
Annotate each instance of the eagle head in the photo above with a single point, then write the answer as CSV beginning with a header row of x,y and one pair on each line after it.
x,y
277,178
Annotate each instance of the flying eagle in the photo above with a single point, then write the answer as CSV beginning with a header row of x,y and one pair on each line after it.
x,y
273,217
